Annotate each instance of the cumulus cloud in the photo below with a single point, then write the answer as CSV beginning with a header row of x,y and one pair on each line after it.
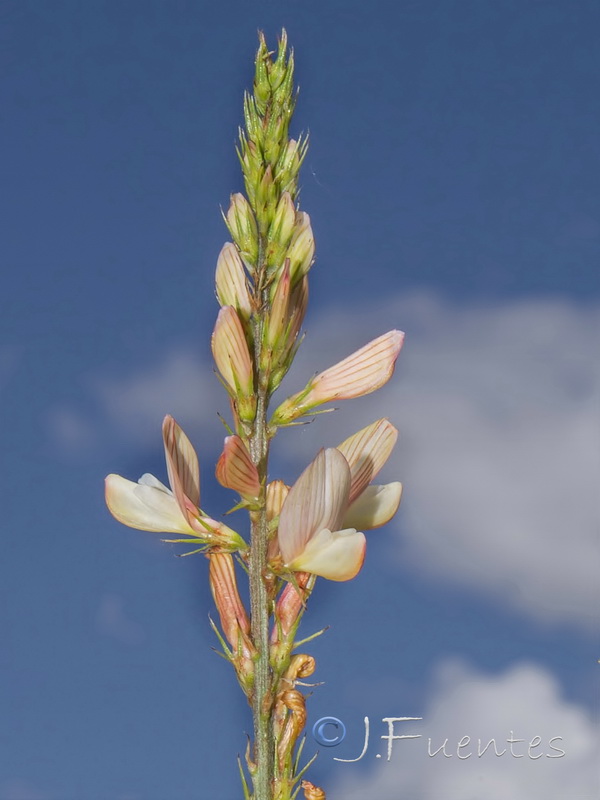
x,y
556,759
497,407
498,414
132,407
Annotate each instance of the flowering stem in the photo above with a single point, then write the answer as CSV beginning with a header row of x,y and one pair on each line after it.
x,y
259,599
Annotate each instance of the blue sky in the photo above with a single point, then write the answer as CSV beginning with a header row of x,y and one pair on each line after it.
x,y
452,186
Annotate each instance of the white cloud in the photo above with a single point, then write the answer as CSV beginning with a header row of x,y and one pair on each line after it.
x,y
132,408
179,384
522,703
498,413
499,431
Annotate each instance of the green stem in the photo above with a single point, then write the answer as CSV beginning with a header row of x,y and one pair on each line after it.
x,y
259,599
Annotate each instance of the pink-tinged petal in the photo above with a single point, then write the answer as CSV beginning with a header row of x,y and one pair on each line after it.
x,y
302,247
374,507
147,506
289,605
317,500
277,320
182,467
360,374
231,354
335,555
236,471
366,452
277,491
230,279
234,619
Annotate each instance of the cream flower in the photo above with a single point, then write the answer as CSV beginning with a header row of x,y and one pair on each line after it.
x,y
311,536
149,505
332,499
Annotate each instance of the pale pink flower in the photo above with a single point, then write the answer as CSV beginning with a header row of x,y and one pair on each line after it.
x,y
149,505
357,375
311,536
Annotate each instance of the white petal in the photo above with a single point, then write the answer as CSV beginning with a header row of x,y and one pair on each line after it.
x,y
316,501
335,555
374,507
148,506
149,480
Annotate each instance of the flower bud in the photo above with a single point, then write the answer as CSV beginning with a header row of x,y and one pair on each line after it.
x,y
231,283
242,226
288,166
288,607
277,491
233,616
232,357
236,471
302,248
281,230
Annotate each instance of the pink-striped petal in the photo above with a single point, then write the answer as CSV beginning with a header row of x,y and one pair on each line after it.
x,y
360,374
366,452
231,282
182,467
231,354
236,471
316,501
277,491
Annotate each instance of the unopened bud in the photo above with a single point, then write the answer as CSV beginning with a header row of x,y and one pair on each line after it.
x,y
230,278
234,618
302,248
288,166
242,226
232,357
281,230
